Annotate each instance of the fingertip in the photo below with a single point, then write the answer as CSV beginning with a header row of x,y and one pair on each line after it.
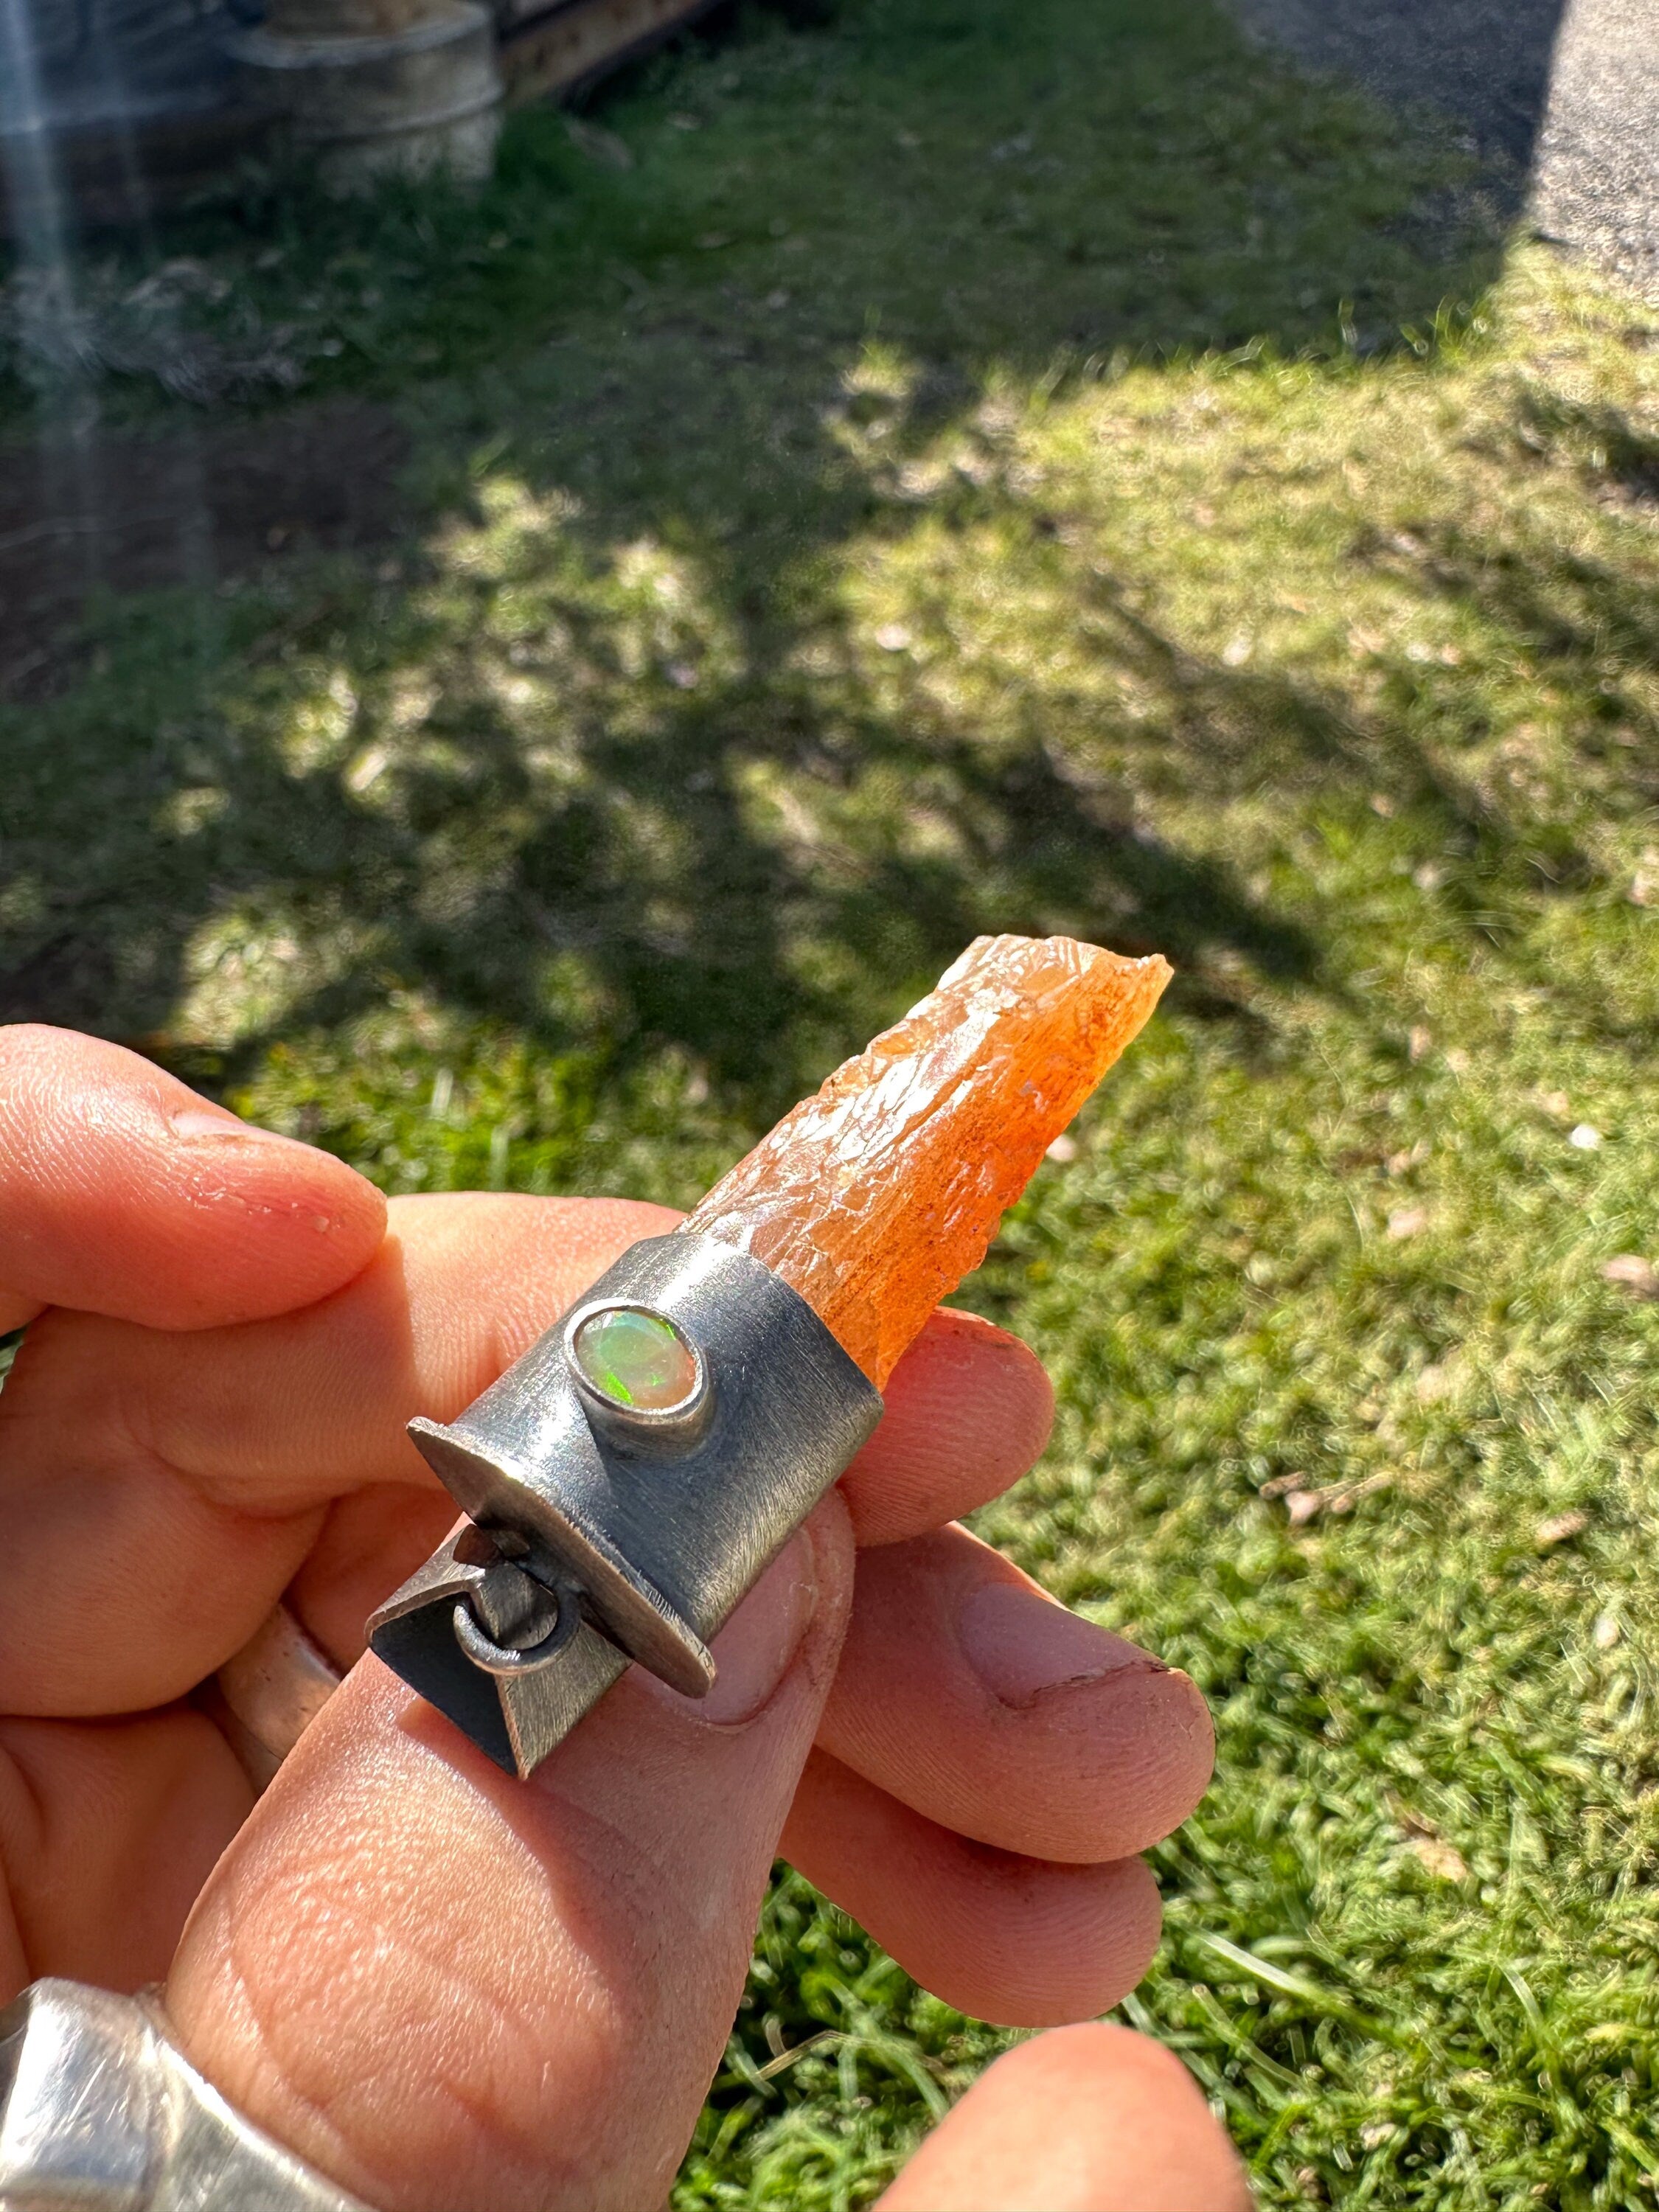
x,y
124,1193
1075,2059
970,1693
961,1355
1087,2118
969,1411
1099,1931
301,1224
1101,1767
1161,1711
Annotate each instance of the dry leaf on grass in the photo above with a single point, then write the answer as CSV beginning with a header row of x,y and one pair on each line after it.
x,y
1302,1506
599,143
1443,1860
1558,1528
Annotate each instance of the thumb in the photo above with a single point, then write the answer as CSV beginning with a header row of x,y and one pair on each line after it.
x,y
442,1986
1089,2119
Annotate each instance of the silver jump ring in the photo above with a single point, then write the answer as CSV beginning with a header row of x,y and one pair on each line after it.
x,y
501,1660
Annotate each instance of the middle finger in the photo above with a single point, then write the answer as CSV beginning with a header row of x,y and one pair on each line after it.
x,y
968,1694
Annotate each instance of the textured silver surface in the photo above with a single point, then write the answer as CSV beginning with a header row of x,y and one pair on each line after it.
x,y
100,2112
652,1539
267,1694
278,1683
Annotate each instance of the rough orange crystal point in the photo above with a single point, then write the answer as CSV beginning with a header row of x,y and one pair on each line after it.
x,y
875,1198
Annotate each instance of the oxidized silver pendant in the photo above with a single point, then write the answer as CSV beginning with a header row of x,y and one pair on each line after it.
x,y
627,1480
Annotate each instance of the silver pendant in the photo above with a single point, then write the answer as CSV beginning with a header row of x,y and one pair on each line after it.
x,y
627,1480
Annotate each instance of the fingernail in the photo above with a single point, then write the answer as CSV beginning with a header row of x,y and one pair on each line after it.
x,y
753,1651
1020,1644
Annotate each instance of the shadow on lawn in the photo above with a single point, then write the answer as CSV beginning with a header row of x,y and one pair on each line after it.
x,y
748,864
610,818
610,771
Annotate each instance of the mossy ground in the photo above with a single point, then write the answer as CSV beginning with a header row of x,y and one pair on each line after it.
x,y
1025,466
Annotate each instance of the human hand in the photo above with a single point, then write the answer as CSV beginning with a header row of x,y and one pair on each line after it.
x,y
441,1985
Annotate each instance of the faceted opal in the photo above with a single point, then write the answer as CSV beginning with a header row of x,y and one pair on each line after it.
x,y
635,1359
875,1198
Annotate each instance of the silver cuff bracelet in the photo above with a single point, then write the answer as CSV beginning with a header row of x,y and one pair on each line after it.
x,y
628,1481
101,2113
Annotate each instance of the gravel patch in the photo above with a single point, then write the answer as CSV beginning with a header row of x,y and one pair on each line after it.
x,y
1562,96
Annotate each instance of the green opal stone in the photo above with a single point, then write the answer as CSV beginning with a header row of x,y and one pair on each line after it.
x,y
635,1359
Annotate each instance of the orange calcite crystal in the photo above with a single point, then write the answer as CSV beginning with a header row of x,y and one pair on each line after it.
x,y
875,1198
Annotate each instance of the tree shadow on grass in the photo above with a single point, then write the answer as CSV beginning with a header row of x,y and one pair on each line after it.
x,y
604,768
579,803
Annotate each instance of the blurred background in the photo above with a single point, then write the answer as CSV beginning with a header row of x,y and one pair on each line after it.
x,y
556,567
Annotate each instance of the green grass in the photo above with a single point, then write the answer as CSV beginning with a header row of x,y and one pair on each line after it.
x,y
1095,482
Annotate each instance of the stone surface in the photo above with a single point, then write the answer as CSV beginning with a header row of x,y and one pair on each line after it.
x,y
875,1198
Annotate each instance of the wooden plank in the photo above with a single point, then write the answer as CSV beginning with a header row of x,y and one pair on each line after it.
x,y
549,53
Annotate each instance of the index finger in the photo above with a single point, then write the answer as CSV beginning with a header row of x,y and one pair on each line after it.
x,y
124,1193
184,1477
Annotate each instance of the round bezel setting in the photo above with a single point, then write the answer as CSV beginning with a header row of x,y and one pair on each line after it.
x,y
680,1417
